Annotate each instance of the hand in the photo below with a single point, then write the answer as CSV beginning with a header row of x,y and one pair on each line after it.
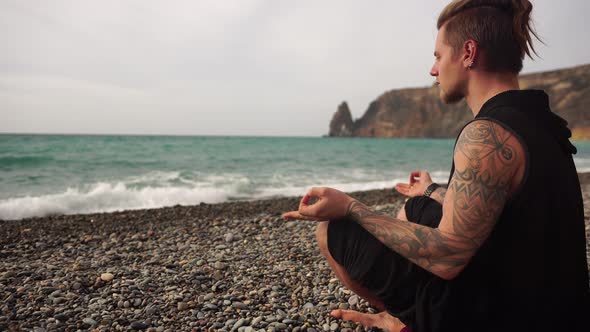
x,y
419,181
331,204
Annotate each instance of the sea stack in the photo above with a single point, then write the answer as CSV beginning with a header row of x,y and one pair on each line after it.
x,y
341,124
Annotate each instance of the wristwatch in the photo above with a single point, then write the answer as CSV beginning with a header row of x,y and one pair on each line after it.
x,y
430,189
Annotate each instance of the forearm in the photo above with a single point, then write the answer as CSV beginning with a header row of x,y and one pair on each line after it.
x,y
441,253
439,194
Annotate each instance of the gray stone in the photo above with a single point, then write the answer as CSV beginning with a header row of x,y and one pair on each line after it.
x,y
281,326
210,306
239,323
229,237
61,317
239,305
89,321
182,306
219,265
151,310
59,300
256,320
138,326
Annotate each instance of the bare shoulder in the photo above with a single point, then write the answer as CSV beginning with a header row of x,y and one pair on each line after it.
x,y
489,148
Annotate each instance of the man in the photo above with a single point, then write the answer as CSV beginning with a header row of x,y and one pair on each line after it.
x,y
503,247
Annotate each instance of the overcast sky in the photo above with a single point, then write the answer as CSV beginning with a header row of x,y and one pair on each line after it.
x,y
227,67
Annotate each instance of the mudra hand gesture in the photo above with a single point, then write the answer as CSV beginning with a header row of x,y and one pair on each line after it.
x,y
329,204
419,181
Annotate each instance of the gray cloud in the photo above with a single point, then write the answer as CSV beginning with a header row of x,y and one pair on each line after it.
x,y
210,67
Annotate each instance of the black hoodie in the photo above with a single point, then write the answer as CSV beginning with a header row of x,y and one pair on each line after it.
x,y
531,274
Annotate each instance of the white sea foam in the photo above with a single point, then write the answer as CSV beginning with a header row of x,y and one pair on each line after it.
x,y
158,189
107,197
582,165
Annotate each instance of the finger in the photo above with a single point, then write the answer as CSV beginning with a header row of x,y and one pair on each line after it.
x,y
312,210
355,316
304,201
296,215
414,176
316,191
402,188
405,186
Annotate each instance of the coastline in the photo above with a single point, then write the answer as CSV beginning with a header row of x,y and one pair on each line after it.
x,y
227,266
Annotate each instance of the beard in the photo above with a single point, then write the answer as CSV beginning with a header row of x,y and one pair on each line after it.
x,y
451,96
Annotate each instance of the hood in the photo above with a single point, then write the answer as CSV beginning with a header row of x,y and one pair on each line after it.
x,y
535,104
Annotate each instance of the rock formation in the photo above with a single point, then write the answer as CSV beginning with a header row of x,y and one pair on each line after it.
x,y
418,112
341,124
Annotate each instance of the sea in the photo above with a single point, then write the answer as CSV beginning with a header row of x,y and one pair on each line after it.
x,y
44,175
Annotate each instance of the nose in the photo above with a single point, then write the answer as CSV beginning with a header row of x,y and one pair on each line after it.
x,y
434,71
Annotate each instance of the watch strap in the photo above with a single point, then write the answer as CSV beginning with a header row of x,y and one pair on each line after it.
x,y
430,189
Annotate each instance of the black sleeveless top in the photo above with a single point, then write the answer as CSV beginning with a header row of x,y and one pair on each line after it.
x,y
531,274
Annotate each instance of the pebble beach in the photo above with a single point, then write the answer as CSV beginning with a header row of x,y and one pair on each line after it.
x,y
234,266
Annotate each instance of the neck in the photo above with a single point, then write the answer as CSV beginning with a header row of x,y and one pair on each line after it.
x,y
485,85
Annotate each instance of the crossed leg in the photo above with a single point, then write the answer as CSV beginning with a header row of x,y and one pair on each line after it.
x,y
381,320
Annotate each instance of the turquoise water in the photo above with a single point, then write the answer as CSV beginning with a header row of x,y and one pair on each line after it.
x,y
55,174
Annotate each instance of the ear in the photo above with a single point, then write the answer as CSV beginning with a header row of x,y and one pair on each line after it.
x,y
470,53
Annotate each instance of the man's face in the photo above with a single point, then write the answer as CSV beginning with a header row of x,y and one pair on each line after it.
x,y
448,71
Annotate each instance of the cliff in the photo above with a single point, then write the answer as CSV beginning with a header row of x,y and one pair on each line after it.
x,y
419,112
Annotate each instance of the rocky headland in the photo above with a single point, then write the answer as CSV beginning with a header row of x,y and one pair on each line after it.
x,y
419,112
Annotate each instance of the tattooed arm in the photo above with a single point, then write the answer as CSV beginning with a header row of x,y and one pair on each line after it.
x,y
487,160
439,194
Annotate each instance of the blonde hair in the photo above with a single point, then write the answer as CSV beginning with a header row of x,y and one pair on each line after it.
x,y
501,28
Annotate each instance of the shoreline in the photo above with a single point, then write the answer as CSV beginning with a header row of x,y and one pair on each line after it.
x,y
208,267
247,208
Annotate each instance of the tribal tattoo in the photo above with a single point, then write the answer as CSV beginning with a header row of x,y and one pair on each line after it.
x,y
487,158
439,194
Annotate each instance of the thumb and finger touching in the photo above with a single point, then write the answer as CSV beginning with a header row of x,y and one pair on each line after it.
x,y
306,210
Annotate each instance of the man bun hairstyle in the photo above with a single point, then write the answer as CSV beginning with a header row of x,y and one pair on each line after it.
x,y
501,28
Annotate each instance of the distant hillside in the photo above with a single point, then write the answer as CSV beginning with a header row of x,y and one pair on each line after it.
x,y
419,112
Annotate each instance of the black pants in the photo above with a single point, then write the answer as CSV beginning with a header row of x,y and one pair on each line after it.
x,y
390,277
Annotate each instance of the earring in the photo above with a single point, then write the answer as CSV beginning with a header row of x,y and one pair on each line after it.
x,y
470,65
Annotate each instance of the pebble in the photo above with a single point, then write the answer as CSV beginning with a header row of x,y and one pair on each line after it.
x,y
182,306
353,300
175,271
139,326
239,323
107,276
89,321
61,317
239,305
219,265
229,237
281,326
